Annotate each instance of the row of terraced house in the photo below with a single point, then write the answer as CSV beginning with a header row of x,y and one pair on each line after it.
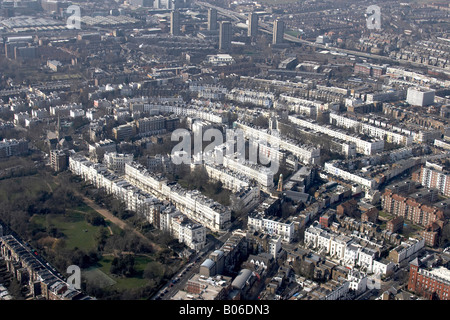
x,y
33,272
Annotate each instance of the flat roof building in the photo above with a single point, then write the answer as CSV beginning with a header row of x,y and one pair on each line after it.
x,y
175,23
278,32
212,19
225,35
420,96
252,22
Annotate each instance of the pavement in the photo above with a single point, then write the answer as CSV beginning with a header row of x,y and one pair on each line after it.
x,y
178,281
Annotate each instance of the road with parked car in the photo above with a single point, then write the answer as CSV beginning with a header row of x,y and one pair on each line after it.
x,y
179,281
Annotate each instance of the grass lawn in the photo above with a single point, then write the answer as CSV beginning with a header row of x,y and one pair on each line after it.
x,y
72,226
28,186
385,215
84,208
97,276
79,233
66,76
115,229
12,162
104,265
411,229
87,209
293,33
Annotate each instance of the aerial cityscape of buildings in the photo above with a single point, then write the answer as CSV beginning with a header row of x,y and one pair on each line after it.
x,y
255,150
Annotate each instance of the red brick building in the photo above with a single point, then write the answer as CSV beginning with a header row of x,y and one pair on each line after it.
x,y
395,225
432,232
347,208
377,71
369,213
431,284
326,219
362,68
410,208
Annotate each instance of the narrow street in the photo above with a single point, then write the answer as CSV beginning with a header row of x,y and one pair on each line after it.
x,y
178,282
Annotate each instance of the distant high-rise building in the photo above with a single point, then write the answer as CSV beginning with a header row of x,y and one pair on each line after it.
x,y
16,42
253,24
26,52
278,32
141,3
175,23
51,5
225,33
59,160
212,19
